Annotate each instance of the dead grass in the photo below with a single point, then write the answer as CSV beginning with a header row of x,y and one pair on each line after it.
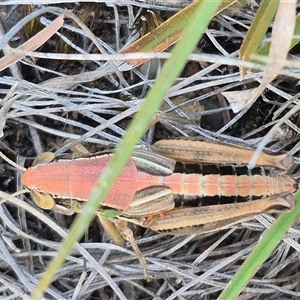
x,y
45,101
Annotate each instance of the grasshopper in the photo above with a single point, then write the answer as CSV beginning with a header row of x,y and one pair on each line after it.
x,y
146,190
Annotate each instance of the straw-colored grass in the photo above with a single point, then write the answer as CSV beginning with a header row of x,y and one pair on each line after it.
x,y
85,89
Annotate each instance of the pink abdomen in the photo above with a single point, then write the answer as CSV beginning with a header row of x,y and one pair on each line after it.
x,y
268,183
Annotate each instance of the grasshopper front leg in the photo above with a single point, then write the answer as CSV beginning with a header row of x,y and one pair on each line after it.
x,y
153,200
127,234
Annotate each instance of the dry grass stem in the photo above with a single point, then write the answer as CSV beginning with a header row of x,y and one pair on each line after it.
x,y
78,85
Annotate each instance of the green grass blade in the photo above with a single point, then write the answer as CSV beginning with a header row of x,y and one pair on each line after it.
x,y
261,252
190,37
169,32
264,50
258,28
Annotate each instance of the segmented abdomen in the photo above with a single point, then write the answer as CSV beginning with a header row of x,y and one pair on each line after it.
x,y
227,181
